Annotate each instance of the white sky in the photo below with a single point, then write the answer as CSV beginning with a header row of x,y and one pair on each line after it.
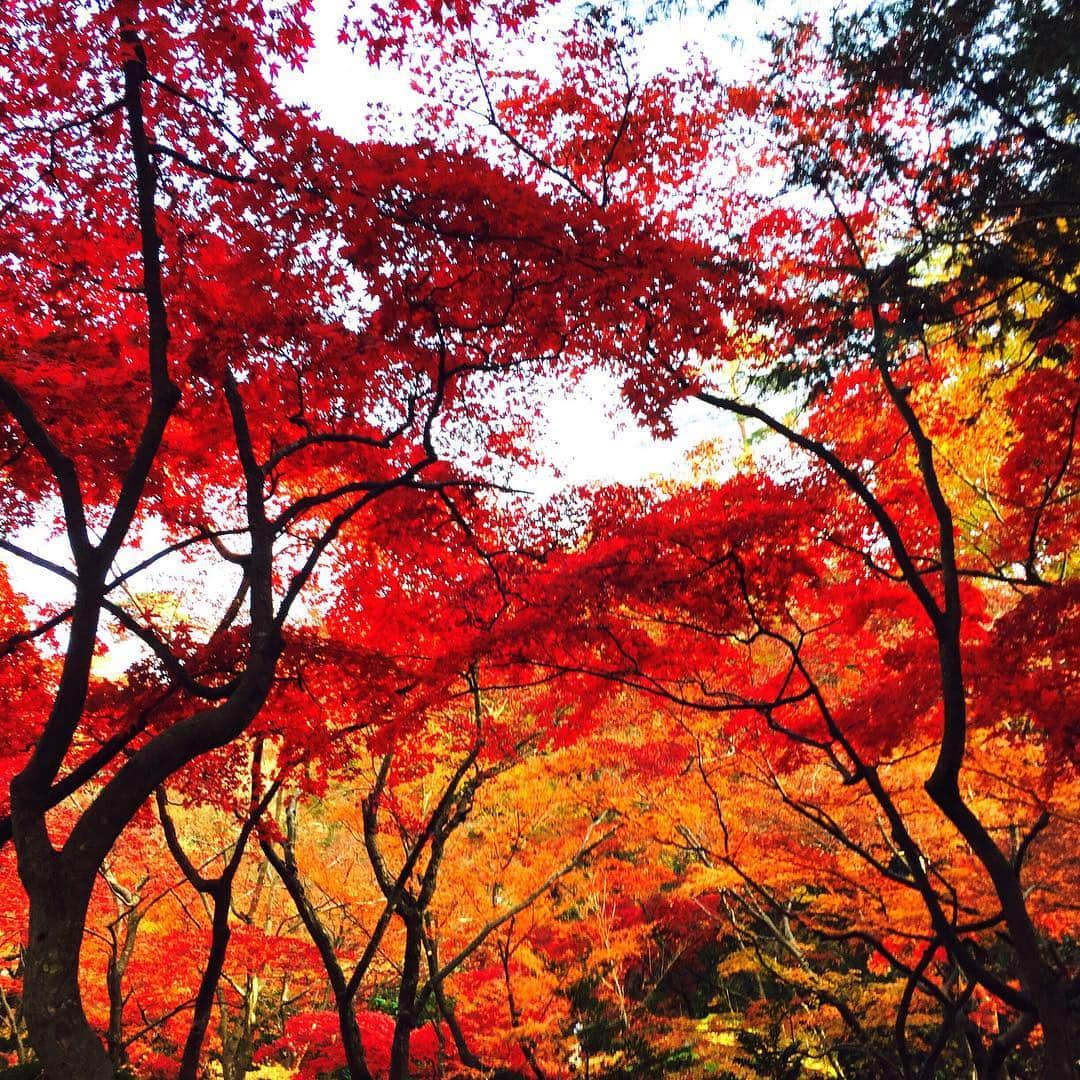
x,y
344,89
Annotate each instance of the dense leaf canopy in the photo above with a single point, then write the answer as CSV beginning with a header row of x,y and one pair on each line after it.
x,y
330,749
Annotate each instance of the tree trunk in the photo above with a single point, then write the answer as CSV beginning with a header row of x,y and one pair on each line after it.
x,y
406,1010
1040,982
355,1058
114,979
204,1002
339,985
464,1053
528,1047
236,1064
59,1031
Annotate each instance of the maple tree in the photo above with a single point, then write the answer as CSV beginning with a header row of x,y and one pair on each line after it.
x,y
191,340
423,794
886,289
258,384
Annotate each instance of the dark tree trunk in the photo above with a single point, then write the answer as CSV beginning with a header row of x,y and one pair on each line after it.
x,y
410,980
115,1037
59,1031
204,1002
351,1042
465,1054
1044,987
528,1048
123,934
350,1039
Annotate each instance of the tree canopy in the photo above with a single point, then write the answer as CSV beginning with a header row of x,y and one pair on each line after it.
x,y
330,750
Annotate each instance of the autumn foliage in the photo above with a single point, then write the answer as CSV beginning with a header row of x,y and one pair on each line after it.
x,y
329,748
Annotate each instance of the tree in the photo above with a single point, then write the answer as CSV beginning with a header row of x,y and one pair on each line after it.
x,y
1002,80
864,296
163,375
257,383
219,890
420,795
